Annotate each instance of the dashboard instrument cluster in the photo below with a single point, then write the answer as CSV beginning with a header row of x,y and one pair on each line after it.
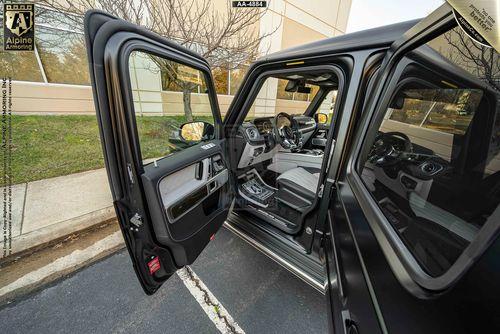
x,y
264,125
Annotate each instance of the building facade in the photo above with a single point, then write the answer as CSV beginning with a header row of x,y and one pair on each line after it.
x,y
54,79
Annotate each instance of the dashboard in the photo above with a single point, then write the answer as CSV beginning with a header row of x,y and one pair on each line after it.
x,y
260,142
263,125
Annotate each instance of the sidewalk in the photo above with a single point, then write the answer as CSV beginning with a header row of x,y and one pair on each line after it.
x,y
48,209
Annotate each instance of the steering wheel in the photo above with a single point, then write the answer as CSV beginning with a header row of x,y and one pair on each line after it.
x,y
384,152
287,134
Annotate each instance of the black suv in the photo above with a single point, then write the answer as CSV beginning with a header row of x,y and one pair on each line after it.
x,y
366,164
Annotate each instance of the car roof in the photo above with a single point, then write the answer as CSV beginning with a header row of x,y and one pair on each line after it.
x,y
367,39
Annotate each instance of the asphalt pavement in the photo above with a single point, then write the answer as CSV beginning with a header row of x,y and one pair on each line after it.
x,y
261,297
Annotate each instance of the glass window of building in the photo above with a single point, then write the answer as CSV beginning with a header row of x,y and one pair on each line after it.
x,y
221,76
236,78
63,55
21,66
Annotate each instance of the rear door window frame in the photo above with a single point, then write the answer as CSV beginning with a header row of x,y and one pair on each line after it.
x,y
403,263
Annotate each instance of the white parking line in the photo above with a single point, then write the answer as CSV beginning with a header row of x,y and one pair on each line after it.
x,y
212,307
215,311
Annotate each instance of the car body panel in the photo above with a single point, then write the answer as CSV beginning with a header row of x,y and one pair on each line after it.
x,y
398,302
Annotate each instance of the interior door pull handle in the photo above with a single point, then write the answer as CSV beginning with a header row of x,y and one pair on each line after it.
x,y
199,171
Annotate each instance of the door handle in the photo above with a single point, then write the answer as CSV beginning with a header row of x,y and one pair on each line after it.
x,y
199,171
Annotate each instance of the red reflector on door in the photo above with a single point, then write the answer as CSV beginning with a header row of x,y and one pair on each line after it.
x,y
154,265
212,237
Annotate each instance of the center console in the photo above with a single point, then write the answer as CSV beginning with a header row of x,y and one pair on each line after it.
x,y
283,160
263,201
257,192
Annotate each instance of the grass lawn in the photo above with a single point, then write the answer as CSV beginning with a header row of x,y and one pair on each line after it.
x,y
48,146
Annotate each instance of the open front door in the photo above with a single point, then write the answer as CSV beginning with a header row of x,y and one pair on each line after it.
x,y
160,130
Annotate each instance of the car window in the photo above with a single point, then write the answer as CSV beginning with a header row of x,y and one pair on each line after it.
x,y
166,95
273,98
434,166
443,110
432,113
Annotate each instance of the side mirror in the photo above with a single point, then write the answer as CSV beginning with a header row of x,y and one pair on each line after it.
x,y
321,118
196,131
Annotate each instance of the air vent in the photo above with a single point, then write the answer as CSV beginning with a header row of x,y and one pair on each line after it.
x,y
252,133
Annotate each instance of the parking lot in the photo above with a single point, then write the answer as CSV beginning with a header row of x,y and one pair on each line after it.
x,y
259,295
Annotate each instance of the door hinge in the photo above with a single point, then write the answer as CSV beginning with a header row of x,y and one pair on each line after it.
x,y
136,220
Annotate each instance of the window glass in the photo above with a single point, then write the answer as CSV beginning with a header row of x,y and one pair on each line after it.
x,y
19,65
444,110
58,19
175,77
221,76
273,99
300,97
236,76
434,166
281,93
63,55
167,95
284,95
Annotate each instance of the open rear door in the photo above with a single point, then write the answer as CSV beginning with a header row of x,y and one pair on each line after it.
x,y
167,173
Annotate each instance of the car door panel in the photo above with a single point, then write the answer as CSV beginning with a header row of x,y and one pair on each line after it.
x,y
174,187
170,208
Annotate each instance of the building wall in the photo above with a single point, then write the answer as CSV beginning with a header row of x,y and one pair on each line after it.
x,y
295,33
30,97
296,22
293,22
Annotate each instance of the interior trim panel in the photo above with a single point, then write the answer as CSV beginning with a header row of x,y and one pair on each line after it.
x,y
181,191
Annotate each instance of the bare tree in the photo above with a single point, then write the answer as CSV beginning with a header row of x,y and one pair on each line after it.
x,y
227,39
171,77
478,59
224,39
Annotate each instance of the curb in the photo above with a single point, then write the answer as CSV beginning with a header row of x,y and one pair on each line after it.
x,y
39,277
43,236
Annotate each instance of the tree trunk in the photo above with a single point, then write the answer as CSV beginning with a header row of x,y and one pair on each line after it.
x,y
186,98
